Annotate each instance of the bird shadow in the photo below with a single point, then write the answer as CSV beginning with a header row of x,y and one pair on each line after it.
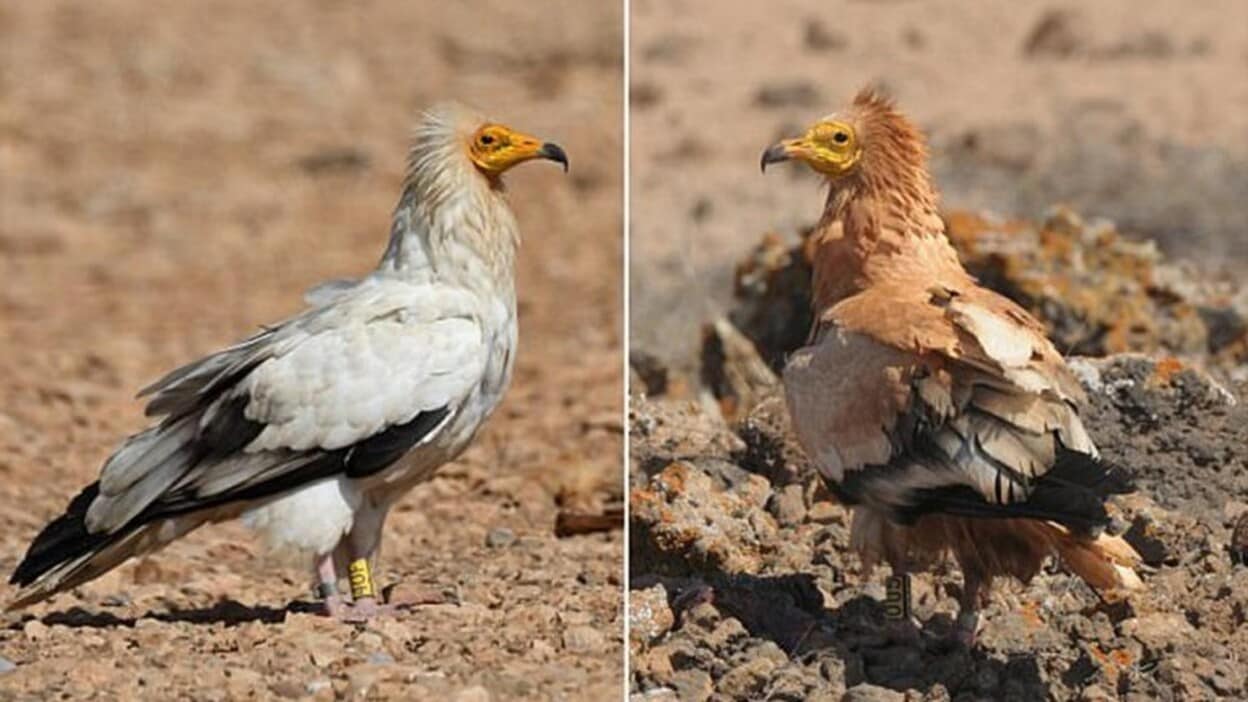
x,y
227,612
790,611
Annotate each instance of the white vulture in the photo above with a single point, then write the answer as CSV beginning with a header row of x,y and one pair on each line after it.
x,y
314,427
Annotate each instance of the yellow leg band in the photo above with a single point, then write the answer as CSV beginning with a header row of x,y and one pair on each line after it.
x,y
361,579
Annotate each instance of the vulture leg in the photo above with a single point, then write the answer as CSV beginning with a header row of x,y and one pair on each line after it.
x,y
973,590
335,604
359,550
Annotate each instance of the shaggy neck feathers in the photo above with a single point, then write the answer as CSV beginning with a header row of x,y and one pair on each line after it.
x,y
451,221
881,221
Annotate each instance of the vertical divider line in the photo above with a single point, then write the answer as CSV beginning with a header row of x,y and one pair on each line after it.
x,y
627,323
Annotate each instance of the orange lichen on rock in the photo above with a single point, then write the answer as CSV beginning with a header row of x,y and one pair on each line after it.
x,y
1098,291
691,521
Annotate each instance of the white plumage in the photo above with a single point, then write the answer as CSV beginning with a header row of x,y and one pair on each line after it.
x,y
315,426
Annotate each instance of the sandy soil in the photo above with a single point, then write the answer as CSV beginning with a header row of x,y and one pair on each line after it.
x,y
1133,110
173,175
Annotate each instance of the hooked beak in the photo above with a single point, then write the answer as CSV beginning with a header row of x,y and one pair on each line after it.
x,y
553,152
785,150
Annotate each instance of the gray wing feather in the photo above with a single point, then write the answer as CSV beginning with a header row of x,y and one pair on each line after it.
x,y
278,401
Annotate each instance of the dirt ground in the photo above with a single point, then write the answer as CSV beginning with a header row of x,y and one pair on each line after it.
x,y
1137,111
173,175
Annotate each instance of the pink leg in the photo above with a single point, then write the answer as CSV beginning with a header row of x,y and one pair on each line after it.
x,y
365,605
334,603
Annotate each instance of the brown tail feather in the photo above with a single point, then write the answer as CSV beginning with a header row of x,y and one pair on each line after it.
x,y
1107,563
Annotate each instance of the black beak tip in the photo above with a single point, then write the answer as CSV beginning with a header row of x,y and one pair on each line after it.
x,y
773,154
555,153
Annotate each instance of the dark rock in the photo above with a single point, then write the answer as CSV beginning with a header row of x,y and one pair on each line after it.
x,y
1144,539
1058,34
1239,541
796,93
347,159
652,372
788,505
819,37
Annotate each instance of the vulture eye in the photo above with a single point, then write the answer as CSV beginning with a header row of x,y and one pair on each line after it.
x,y
486,139
840,137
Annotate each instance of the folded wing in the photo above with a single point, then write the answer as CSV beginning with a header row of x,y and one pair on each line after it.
x,y
946,400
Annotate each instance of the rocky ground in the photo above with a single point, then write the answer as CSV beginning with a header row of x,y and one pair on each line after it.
x,y
174,174
742,586
1110,138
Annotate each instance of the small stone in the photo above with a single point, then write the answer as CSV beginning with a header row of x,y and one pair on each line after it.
x,y
788,505
655,664
575,618
368,641
871,693
542,649
701,614
832,670
324,655
1060,33
658,694
1143,537
819,37
692,685
649,615
476,693
583,639
1158,629
726,633
795,93
243,682
288,689
769,650
1239,541
502,537
362,677
6,665
380,658
746,680
35,630
1096,693
824,512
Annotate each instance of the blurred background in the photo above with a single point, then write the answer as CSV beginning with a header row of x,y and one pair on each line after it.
x,y
1132,110
173,175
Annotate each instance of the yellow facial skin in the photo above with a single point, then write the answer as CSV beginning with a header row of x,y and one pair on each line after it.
x,y
830,147
494,148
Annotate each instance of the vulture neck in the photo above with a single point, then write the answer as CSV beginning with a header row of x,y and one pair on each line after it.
x,y
452,225
880,226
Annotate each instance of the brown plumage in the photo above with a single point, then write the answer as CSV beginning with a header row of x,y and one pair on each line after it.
x,y
934,406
